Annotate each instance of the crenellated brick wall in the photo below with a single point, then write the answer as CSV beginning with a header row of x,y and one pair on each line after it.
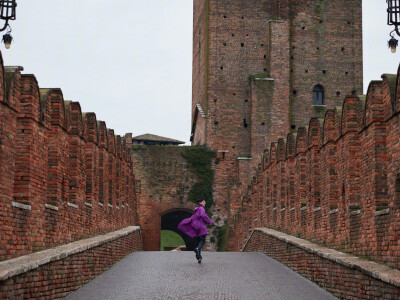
x,y
63,175
335,182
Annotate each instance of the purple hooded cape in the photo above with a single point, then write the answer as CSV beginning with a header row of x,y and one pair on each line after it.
x,y
195,225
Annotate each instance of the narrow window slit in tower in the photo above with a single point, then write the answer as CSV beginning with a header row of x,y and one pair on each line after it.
x,y
324,71
303,28
221,67
353,92
242,44
224,44
265,56
347,73
294,92
306,71
263,123
337,93
342,48
233,34
246,100
245,123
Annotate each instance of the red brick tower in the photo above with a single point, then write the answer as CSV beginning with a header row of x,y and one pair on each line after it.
x,y
264,67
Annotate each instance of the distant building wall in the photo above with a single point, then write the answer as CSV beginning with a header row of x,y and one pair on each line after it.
x,y
165,181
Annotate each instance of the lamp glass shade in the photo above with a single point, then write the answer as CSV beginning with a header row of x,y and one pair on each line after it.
x,y
393,48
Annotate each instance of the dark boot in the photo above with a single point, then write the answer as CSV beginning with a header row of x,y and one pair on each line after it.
x,y
197,251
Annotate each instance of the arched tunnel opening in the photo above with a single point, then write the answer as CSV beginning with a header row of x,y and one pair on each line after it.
x,y
170,221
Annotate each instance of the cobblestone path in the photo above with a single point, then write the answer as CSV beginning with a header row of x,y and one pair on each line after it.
x,y
177,275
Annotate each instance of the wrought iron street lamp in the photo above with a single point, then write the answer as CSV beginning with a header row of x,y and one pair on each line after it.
x,y
393,12
7,13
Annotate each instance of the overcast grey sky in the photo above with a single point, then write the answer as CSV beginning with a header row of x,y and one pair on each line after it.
x,y
130,61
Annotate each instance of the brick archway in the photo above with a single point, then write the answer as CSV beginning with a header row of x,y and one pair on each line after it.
x,y
170,220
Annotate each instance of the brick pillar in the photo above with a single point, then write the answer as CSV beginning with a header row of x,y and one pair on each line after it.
x,y
76,171
102,174
30,168
279,60
290,152
91,156
111,166
282,184
301,179
117,180
331,182
315,210
351,152
57,174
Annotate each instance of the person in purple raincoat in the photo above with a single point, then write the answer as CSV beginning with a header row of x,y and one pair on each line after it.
x,y
195,227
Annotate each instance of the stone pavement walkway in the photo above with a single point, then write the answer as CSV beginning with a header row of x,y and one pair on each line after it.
x,y
177,275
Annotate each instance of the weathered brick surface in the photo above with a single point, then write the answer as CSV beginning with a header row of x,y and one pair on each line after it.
x,y
298,43
343,275
255,64
66,273
165,182
335,183
63,175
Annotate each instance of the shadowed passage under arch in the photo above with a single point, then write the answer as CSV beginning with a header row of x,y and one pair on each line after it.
x,y
170,221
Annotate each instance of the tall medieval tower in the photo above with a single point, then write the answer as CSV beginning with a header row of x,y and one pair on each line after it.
x,y
257,64
262,68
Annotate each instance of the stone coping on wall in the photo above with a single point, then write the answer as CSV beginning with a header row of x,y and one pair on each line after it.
x,y
22,264
373,269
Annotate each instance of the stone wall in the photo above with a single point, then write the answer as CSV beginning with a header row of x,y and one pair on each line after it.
x,y
335,182
165,181
54,273
346,276
63,175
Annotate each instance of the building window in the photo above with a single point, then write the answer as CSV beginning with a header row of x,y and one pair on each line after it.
x,y
318,95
